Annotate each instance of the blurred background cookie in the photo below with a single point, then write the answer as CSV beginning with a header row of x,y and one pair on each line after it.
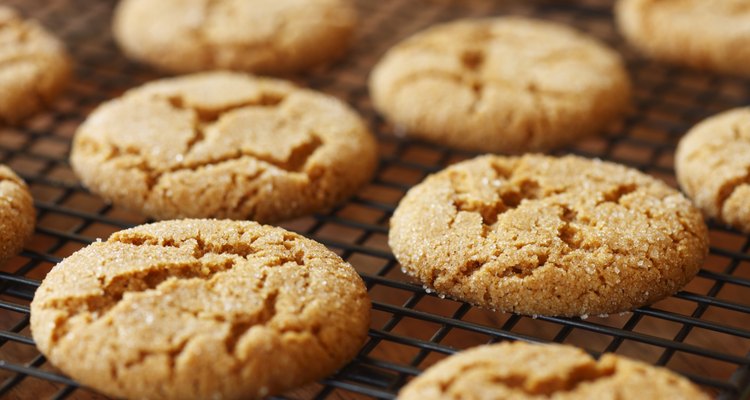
x,y
712,35
34,66
224,145
500,85
262,36
17,214
712,164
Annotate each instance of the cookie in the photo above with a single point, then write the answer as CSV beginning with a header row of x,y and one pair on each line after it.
x,y
500,85
200,309
262,36
666,30
527,371
224,145
34,66
17,215
542,235
712,164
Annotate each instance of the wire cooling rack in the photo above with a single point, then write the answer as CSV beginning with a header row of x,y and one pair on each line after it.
x,y
702,332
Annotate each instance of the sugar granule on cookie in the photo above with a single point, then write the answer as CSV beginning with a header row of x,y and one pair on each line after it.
x,y
712,163
34,66
224,145
506,84
200,309
542,235
534,371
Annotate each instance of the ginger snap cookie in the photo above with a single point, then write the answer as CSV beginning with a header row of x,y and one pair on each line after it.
x,y
34,66
712,164
500,85
17,215
262,36
550,371
712,35
541,235
224,145
203,309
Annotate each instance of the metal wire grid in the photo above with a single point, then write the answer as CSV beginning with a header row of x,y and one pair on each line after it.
x,y
702,332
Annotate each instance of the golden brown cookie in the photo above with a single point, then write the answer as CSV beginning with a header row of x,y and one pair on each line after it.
x,y
500,85
200,309
34,66
550,236
17,214
224,145
711,35
551,371
262,36
712,164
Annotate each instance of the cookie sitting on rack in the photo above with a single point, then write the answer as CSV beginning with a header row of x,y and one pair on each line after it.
x,y
500,85
34,66
541,235
224,145
712,164
17,214
534,371
261,36
712,35
200,309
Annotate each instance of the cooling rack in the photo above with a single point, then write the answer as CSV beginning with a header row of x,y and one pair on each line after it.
x,y
702,332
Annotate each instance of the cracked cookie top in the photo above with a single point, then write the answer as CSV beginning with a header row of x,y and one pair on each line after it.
x,y
549,236
500,85
200,309
261,36
666,30
224,145
34,66
17,214
551,371
712,164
